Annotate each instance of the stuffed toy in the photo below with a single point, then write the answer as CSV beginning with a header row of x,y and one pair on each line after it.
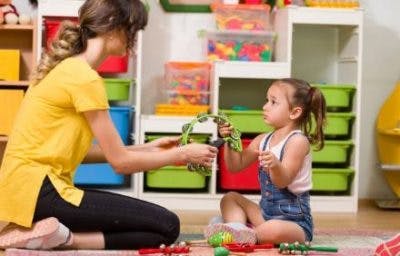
x,y
10,15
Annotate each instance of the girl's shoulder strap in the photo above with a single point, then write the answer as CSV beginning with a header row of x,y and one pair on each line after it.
x,y
265,140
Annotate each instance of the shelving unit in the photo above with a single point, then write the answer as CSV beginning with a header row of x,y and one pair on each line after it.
x,y
22,38
316,44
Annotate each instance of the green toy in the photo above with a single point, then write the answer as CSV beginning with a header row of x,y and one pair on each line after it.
x,y
221,251
220,238
303,249
233,140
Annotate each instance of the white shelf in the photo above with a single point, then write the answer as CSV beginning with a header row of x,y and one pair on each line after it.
x,y
246,69
325,16
173,124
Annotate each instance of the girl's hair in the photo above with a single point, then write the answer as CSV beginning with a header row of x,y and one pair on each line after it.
x,y
96,17
312,101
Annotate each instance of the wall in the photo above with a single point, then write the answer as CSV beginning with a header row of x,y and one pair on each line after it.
x,y
381,67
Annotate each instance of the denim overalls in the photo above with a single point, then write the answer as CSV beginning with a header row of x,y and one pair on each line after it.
x,y
282,204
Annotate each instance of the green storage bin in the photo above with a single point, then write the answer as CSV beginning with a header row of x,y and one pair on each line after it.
x,y
339,97
247,121
338,124
175,177
333,180
117,89
334,152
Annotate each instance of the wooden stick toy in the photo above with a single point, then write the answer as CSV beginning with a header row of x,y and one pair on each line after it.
x,y
167,250
303,249
239,247
233,140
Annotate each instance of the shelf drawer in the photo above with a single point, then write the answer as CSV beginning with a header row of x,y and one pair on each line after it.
x,y
338,124
334,152
10,100
338,97
101,174
175,177
326,179
247,121
9,64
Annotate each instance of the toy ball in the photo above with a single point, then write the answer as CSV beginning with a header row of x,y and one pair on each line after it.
x,y
220,238
24,19
11,18
221,251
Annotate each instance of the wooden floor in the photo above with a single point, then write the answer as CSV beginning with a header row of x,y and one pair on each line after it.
x,y
369,216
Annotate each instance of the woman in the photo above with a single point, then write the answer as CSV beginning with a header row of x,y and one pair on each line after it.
x,y
66,106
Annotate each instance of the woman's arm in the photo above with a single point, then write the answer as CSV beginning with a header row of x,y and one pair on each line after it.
x,y
126,161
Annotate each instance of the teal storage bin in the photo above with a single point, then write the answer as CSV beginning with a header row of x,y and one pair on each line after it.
x,y
102,174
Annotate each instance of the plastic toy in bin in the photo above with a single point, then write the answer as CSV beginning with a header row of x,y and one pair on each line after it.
x,y
182,97
187,76
240,46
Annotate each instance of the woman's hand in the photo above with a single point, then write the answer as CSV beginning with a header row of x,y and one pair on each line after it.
x,y
225,129
198,154
164,143
268,160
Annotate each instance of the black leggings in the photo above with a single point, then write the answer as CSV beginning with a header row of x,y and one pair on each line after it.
x,y
127,223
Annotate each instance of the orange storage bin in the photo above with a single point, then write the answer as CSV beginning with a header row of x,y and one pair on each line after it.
x,y
113,64
246,179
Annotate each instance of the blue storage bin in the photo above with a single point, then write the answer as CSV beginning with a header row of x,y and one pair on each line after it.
x,y
103,173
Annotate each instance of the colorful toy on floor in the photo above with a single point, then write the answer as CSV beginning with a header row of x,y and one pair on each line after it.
x,y
233,140
220,239
222,251
389,247
238,247
303,249
181,248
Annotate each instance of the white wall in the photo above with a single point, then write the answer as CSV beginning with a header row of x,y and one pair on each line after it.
x,y
381,67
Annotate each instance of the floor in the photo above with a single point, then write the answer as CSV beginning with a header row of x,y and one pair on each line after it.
x,y
369,216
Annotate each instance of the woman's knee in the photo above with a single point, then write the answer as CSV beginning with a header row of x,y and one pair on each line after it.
x,y
173,227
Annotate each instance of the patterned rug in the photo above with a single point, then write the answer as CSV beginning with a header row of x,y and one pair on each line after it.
x,y
349,242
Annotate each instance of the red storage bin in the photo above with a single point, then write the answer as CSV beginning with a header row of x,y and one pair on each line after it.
x,y
247,179
113,64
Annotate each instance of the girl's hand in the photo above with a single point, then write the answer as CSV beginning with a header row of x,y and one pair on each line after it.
x,y
268,160
164,143
198,154
225,129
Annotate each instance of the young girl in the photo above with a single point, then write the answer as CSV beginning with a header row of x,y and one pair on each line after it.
x,y
64,108
283,213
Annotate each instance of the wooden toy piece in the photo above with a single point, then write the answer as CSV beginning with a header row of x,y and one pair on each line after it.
x,y
238,247
303,249
233,140
220,239
222,251
166,250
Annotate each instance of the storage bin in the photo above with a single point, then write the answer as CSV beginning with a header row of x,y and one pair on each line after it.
x,y
333,180
9,65
10,100
99,174
246,179
247,121
117,89
176,177
180,110
242,16
240,45
338,97
113,64
193,76
338,125
121,117
182,97
334,152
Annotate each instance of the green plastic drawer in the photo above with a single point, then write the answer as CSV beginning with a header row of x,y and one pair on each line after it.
x,y
199,138
338,124
339,97
333,152
175,177
331,179
117,89
247,121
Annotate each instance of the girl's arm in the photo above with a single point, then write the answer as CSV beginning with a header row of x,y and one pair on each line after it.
x,y
236,161
126,161
283,173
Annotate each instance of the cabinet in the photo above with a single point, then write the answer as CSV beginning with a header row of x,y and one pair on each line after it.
x,y
320,45
22,40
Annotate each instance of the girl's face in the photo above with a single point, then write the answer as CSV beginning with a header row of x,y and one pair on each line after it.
x,y
276,110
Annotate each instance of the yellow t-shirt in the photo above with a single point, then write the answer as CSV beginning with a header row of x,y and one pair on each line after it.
x,y
50,138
